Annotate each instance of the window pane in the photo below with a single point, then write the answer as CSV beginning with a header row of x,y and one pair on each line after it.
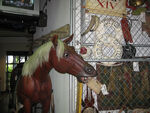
x,y
10,59
15,65
10,67
22,59
16,59
9,76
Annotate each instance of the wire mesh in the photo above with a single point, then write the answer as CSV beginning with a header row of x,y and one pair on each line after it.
x,y
128,83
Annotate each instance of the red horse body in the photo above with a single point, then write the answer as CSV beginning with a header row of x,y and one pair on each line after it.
x,y
35,84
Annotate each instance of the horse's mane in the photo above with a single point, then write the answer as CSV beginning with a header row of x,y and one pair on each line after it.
x,y
41,55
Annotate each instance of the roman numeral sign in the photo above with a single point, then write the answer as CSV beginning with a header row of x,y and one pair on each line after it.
x,y
107,7
108,4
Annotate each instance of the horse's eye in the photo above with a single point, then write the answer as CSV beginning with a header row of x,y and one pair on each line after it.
x,y
66,55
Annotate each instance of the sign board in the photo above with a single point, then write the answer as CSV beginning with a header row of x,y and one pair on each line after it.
x,y
106,7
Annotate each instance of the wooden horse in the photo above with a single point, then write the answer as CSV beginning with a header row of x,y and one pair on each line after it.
x,y
35,85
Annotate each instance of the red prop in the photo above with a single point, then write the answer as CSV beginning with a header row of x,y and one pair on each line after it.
x,y
126,30
89,102
37,88
83,50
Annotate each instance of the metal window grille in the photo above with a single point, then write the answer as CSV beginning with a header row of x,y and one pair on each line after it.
x,y
128,84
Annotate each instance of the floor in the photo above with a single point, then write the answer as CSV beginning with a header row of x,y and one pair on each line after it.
x,y
4,101
5,107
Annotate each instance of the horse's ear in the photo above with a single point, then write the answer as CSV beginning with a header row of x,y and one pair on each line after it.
x,y
68,40
54,39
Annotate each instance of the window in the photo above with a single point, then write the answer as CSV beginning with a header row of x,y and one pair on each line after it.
x,y
12,59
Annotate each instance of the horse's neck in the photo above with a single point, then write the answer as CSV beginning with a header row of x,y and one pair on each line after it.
x,y
42,72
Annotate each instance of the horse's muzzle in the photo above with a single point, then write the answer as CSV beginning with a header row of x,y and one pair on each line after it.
x,y
89,72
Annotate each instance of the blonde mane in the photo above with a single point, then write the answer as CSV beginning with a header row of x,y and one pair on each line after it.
x,y
41,55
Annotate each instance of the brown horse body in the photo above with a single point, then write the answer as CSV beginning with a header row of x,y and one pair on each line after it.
x,y
34,90
37,87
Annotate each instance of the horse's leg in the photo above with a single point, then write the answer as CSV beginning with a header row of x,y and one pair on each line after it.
x,y
46,105
27,105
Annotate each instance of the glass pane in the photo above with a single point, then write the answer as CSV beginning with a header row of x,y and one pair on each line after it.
x,y
10,67
9,76
22,59
10,59
16,59
15,65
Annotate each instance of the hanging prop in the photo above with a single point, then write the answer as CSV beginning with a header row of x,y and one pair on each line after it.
x,y
145,80
136,3
89,102
111,85
137,6
138,11
127,84
85,52
146,25
129,51
109,26
108,40
140,110
95,85
106,7
94,23
129,6
130,89
107,47
126,30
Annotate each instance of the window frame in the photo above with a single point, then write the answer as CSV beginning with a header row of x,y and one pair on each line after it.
x,y
15,54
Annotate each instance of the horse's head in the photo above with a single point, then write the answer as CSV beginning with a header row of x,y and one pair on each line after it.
x,y
70,62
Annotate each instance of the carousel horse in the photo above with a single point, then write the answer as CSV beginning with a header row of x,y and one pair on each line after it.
x,y
35,84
